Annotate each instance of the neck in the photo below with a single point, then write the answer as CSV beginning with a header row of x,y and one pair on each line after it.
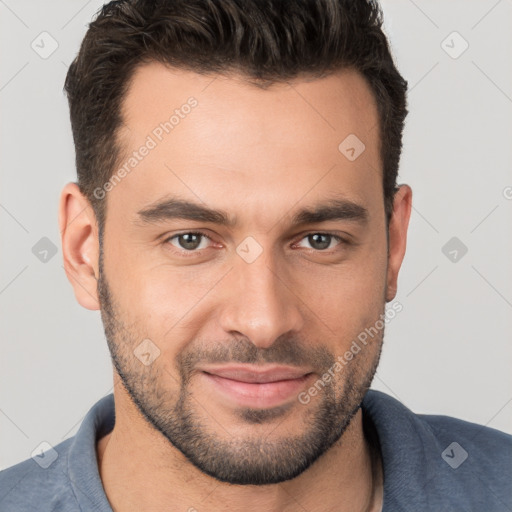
x,y
141,470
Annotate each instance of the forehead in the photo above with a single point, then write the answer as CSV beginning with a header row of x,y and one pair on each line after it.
x,y
221,140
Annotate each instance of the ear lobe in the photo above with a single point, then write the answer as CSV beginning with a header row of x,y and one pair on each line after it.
x,y
80,245
398,225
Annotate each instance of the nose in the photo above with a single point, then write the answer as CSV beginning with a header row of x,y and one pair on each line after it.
x,y
259,302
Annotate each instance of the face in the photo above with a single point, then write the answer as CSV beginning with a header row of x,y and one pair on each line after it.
x,y
243,253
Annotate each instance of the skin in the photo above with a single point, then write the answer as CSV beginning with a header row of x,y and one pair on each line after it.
x,y
260,156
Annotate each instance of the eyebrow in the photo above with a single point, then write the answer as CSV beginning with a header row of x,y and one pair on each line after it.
x,y
175,208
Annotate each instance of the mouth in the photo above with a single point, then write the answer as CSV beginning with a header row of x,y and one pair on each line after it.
x,y
256,386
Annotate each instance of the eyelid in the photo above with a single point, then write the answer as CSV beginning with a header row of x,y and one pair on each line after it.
x,y
186,232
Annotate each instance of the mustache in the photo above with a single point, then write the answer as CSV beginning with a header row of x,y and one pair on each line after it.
x,y
286,350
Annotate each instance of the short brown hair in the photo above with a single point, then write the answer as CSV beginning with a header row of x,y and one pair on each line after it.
x,y
267,41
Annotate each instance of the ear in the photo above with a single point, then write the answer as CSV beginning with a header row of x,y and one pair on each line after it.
x,y
398,225
80,245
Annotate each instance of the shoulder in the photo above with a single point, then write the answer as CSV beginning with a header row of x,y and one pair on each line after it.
x,y
386,409
441,461
39,483
484,444
64,477
477,458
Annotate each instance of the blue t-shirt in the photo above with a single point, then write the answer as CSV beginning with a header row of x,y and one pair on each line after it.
x,y
430,463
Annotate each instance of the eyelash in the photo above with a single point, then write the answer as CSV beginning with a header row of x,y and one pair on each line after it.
x,y
191,253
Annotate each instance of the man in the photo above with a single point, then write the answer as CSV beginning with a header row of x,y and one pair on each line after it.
x,y
238,224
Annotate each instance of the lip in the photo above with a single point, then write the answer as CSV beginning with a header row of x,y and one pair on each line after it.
x,y
257,374
253,386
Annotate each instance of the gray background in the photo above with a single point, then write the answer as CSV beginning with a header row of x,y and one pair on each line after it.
x,y
447,352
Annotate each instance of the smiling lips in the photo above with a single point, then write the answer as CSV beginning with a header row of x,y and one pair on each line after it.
x,y
257,386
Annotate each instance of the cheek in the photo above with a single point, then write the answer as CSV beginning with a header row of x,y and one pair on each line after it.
x,y
350,298
167,302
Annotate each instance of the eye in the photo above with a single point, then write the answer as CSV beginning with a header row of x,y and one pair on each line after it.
x,y
194,241
321,241
190,241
